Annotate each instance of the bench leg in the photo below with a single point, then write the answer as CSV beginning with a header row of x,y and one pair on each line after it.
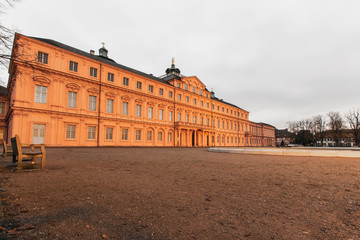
x,y
19,163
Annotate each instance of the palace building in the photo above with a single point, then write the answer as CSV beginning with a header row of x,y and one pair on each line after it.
x,y
62,96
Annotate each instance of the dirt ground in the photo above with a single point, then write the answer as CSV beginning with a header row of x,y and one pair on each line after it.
x,y
180,193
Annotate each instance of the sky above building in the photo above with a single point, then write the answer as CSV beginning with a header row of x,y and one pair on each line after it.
x,y
281,60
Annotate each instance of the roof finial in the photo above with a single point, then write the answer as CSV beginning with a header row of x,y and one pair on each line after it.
x,y
103,44
173,60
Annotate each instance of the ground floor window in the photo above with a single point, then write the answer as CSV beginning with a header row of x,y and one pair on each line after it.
x,y
138,135
160,134
109,133
124,136
70,131
91,132
149,136
169,136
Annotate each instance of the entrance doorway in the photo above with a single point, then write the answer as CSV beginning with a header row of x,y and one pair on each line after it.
x,y
193,139
39,134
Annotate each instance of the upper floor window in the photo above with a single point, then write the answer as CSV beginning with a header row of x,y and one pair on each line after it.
x,y
201,103
125,108
72,99
194,100
187,99
110,77
161,114
201,92
110,106
218,108
213,106
43,57
179,96
138,85
207,105
92,103
223,109
151,88
125,81
2,107
170,116
179,117
186,87
194,89
150,113
187,118
178,85
170,94
73,66
138,110
40,94
207,95
161,91
194,119
93,72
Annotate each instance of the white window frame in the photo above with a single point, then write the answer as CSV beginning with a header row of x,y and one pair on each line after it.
x,y
161,114
70,131
150,112
92,103
109,133
138,110
40,94
124,134
91,133
72,99
110,105
125,108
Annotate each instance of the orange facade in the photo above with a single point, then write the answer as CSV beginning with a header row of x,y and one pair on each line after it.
x,y
61,96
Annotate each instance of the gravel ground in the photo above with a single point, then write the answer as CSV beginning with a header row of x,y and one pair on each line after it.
x,y
180,193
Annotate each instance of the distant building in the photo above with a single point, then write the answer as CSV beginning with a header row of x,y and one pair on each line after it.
x,y
62,96
346,139
283,135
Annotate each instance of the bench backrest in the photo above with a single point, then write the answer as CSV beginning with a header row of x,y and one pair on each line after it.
x,y
16,145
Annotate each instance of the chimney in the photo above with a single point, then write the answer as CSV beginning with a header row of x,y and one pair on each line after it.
x,y
92,52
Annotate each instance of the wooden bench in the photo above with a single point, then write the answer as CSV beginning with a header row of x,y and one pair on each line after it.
x,y
7,150
19,155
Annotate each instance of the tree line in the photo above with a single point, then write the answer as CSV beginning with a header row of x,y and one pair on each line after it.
x,y
310,131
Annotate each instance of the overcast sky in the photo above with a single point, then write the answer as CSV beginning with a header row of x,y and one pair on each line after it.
x,y
281,60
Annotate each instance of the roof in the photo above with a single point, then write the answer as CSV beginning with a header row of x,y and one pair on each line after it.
x,y
97,58
113,63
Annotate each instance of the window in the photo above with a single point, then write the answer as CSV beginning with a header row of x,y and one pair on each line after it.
x,y
138,135
212,106
178,85
218,108
40,94
138,85
187,99
138,110
218,124
2,107
91,132
149,135
109,133
231,111
201,121
161,91
160,136
70,131
125,81
195,101
223,109
124,135
179,117
92,103
194,90
227,110
194,119
201,92
151,88
186,86
110,106
170,116
169,136
72,99
73,66
161,116
110,77
201,103
208,122
179,96
150,113
170,94
125,106
207,95
43,57
93,72
187,118
207,105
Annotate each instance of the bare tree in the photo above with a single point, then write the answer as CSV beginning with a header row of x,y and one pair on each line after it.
x,y
353,118
335,124
319,128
